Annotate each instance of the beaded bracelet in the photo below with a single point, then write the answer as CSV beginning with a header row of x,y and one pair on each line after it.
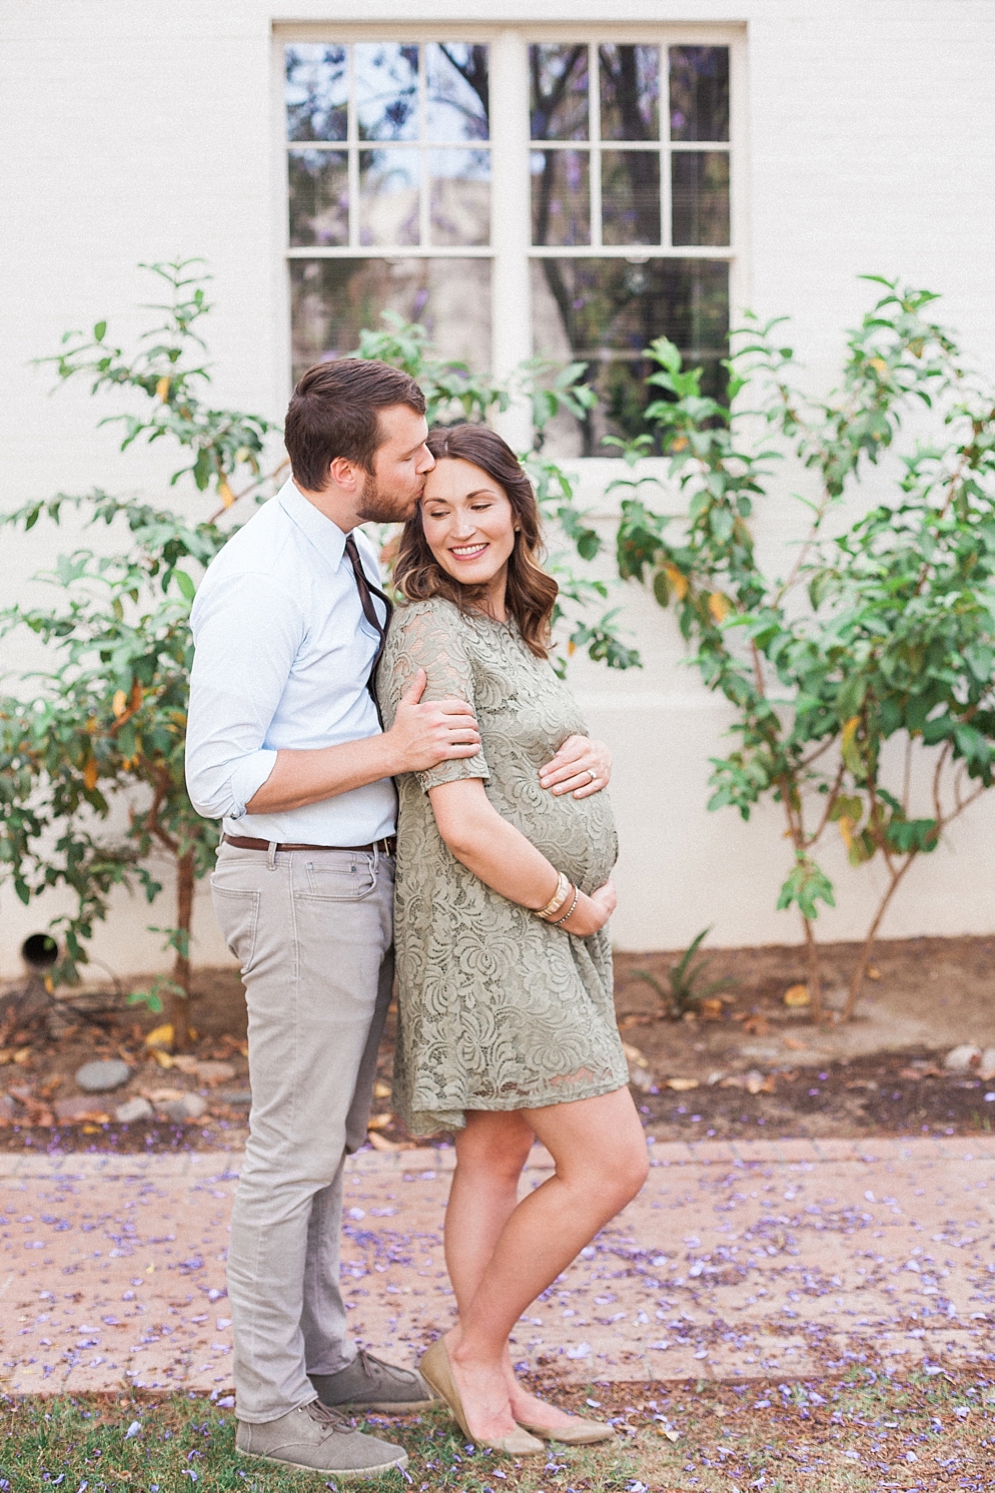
x,y
555,923
557,900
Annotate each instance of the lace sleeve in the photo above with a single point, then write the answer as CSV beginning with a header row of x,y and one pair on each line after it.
x,y
430,636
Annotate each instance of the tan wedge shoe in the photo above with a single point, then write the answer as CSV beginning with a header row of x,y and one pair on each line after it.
x,y
437,1372
580,1433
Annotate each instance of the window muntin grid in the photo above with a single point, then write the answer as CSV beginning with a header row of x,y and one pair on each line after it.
x,y
388,146
605,175
649,175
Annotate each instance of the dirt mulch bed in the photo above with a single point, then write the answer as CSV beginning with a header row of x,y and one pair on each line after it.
x,y
758,1068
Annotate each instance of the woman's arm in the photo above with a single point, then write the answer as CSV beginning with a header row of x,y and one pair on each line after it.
x,y
504,859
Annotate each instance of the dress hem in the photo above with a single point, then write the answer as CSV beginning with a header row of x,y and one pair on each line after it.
x,y
435,1122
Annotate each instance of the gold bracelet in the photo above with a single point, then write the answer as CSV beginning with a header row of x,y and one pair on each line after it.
x,y
570,911
557,900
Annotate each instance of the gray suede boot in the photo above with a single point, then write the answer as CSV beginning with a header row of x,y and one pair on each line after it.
x,y
316,1438
369,1383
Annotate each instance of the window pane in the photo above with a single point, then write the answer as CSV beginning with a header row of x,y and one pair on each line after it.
x,y
388,197
386,84
699,93
559,92
700,196
605,312
457,102
316,92
332,300
630,196
461,196
319,197
561,197
630,93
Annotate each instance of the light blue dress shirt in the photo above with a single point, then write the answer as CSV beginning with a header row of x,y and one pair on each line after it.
x,y
282,653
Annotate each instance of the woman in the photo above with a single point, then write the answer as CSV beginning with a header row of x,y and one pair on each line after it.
x,y
507,1025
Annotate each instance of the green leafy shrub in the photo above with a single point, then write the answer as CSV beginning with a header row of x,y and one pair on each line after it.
x,y
884,629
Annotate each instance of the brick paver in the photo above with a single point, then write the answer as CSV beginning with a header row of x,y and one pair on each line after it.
x,y
750,1259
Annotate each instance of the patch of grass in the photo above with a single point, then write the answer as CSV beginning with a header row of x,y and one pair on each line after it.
x,y
856,1435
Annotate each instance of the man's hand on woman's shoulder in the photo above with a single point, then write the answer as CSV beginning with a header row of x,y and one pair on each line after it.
x,y
425,734
582,766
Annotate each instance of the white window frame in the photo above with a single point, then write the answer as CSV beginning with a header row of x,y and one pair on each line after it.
x,y
511,250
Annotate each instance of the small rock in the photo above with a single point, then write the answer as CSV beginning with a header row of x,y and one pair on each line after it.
x,y
961,1059
71,1111
237,1096
190,1107
99,1077
134,1109
640,1078
987,1068
214,1073
7,1109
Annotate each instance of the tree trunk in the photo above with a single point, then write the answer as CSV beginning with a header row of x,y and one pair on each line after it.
x,y
180,1004
814,975
857,982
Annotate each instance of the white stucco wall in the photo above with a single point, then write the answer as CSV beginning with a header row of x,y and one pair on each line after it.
x,y
134,133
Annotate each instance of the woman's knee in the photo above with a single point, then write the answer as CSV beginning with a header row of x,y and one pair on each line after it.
x,y
496,1144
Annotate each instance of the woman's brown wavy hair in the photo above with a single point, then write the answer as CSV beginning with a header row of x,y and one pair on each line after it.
x,y
531,592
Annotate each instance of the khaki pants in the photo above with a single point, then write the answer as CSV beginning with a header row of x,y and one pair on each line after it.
x,y
312,931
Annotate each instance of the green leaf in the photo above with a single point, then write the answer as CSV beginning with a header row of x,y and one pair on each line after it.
x,y
185,584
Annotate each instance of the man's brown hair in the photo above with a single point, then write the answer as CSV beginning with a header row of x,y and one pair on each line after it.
x,y
334,411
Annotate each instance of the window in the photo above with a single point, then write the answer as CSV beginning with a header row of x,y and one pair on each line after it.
x,y
588,180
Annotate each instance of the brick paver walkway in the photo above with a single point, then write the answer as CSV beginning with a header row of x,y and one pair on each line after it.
x,y
764,1258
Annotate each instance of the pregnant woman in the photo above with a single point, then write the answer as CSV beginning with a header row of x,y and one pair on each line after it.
x,y
507,1024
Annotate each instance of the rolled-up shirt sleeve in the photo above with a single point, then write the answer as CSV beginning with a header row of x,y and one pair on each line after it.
x,y
247,630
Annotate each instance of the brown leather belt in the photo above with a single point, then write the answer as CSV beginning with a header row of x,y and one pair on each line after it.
x,y
386,846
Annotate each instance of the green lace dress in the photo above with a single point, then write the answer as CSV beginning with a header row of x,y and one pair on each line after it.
x,y
498,1010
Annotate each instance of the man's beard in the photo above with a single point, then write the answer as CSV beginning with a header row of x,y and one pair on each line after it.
x,y
377,506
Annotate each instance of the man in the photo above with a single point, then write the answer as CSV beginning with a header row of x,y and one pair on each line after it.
x,y
284,744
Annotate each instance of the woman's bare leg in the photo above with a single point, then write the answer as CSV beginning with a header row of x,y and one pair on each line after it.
x,y
491,1151
599,1150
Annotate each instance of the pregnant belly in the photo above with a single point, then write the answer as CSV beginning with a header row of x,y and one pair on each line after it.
x,y
576,835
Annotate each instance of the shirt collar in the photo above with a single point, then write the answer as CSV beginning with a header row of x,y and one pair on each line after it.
x,y
326,536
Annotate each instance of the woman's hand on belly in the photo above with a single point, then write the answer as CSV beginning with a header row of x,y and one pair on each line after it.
x,y
582,766
592,913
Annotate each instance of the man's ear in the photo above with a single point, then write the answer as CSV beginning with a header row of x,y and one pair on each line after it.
x,y
345,474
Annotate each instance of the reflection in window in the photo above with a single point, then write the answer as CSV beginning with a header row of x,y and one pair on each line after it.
x,y
318,182
333,300
559,92
317,91
700,197
630,93
699,93
403,99
561,197
605,312
630,197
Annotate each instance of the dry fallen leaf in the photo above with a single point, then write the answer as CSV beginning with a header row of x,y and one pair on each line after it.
x,y
681,1084
796,995
160,1036
873,973
379,1122
794,1044
711,1010
633,1054
757,1026
382,1090
380,1142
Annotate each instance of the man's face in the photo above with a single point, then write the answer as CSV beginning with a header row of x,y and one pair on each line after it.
x,y
402,462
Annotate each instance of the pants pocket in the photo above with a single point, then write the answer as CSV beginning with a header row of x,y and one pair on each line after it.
x,y
350,882
237,913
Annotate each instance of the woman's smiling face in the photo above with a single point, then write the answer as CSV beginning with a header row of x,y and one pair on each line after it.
x,y
469,525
